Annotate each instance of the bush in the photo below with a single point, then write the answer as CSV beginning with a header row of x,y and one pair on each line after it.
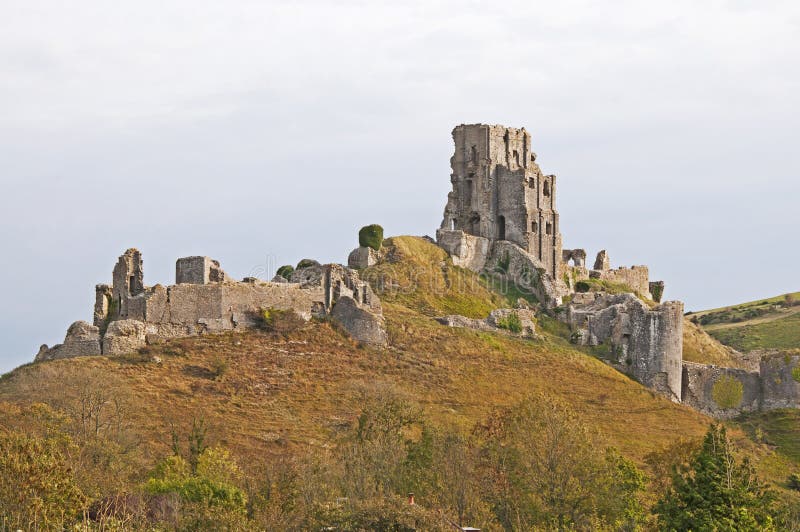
x,y
582,286
306,263
371,236
219,367
511,323
279,321
727,392
285,271
796,373
794,481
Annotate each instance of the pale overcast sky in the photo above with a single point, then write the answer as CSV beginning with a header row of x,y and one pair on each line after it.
x,y
260,133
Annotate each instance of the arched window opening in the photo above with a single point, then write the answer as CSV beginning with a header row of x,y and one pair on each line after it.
x,y
473,154
452,224
549,228
501,227
534,227
546,188
516,157
532,182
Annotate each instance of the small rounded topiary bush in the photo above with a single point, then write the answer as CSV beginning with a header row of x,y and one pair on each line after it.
x,y
306,263
371,236
727,392
285,271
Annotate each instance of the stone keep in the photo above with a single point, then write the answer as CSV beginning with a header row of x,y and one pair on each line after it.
x,y
499,193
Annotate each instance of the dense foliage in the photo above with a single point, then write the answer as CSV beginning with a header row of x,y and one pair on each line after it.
x,y
371,236
716,491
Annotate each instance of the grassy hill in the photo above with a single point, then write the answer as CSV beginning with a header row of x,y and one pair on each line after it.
x,y
269,397
772,323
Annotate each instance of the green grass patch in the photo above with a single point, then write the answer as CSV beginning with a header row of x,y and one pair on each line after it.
x,y
783,333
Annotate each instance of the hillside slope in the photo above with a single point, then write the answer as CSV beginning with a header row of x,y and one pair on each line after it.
x,y
772,323
264,395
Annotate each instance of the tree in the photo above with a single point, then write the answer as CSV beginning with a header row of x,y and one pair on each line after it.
x,y
210,495
37,488
545,468
716,492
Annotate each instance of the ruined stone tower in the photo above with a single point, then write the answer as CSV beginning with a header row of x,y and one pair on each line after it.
x,y
499,192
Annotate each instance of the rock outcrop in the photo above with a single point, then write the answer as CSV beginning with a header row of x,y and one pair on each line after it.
x,y
521,322
82,339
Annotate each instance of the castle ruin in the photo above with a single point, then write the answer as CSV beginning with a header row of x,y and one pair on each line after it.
x,y
129,315
500,219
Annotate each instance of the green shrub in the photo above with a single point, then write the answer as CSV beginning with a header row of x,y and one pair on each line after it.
x,y
279,321
219,367
794,481
657,292
511,323
285,271
306,263
727,392
796,373
582,286
371,236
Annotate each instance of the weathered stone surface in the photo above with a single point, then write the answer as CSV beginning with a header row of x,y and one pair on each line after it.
x,y
577,256
500,193
644,342
707,387
467,251
602,262
362,325
656,290
82,339
362,257
508,259
102,303
497,321
124,336
308,276
780,377
206,301
636,277
198,270
128,281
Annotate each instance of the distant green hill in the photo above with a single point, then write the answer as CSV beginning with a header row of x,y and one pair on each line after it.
x,y
772,323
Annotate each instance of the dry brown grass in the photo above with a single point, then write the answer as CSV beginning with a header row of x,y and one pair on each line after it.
x,y
284,393
699,346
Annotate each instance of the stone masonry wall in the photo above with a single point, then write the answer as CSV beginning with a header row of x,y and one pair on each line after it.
x,y
720,392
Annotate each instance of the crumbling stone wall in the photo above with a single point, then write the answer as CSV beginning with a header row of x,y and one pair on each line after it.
x,y
82,339
467,251
198,270
204,299
720,392
128,280
500,193
636,277
644,342
780,377
497,321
